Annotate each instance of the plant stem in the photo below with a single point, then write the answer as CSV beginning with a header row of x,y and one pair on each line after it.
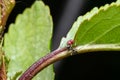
x,y
62,53
44,62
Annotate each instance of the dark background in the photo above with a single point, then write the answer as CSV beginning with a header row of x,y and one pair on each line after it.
x,y
94,66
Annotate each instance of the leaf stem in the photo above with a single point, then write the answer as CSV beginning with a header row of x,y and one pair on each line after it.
x,y
97,47
44,62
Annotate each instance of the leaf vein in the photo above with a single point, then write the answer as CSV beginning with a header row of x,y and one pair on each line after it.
x,y
110,29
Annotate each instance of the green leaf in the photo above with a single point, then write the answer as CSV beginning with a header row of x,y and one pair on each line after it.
x,y
97,29
28,40
71,34
102,28
118,1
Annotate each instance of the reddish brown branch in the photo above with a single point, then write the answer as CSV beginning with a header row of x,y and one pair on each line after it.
x,y
40,64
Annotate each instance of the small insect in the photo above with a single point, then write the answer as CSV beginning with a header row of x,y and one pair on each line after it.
x,y
70,42
70,46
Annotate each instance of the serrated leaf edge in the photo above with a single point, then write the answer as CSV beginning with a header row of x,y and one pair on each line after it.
x,y
88,16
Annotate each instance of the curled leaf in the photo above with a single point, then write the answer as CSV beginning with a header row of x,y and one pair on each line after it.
x,y
3,75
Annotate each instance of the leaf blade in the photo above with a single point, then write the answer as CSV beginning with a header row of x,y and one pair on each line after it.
x,y
101,28
29,36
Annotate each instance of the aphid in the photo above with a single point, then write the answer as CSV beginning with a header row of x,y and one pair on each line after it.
x,y
70,46
70,42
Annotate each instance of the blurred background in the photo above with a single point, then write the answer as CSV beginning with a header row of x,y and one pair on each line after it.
x,y
95,66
